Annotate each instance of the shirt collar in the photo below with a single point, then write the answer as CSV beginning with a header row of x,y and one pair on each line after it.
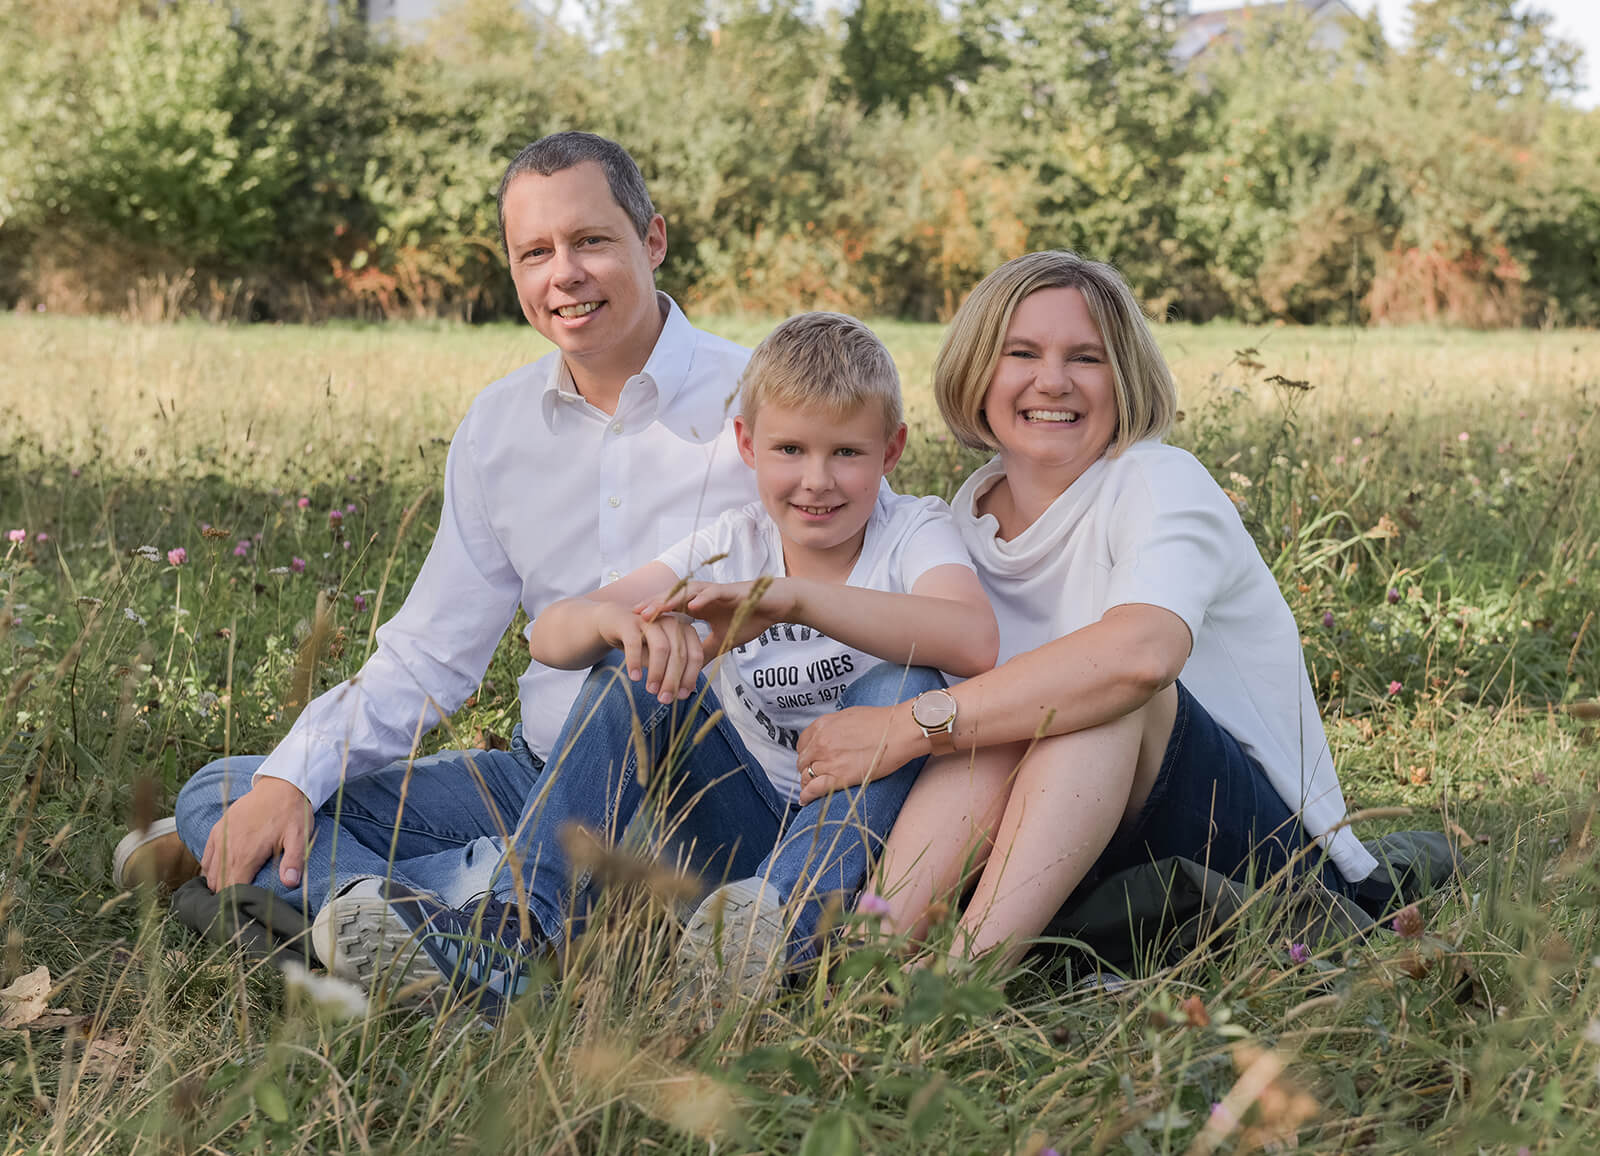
x,y
658,392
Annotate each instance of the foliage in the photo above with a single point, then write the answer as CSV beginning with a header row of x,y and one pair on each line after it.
x,y
276,157
896,51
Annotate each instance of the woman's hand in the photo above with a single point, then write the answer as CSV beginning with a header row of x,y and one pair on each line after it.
x,y
735,611
850,746
665,649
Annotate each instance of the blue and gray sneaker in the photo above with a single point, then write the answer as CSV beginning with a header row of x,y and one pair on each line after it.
x,y
478,951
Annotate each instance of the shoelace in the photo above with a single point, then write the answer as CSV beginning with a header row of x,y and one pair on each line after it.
x,y
481,957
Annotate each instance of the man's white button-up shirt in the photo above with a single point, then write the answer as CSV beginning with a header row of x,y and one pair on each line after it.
x,y
545,497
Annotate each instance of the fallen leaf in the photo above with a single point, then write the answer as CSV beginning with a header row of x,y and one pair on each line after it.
x,y
1384,529
108,1055
26,999
1194,1012
1462,836
1588,711
55,1018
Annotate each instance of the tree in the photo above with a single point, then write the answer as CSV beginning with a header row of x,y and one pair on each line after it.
x,y
1085,98
897,50
1505,48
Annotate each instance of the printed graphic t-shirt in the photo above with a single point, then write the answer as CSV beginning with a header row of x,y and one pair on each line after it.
x,y
777,684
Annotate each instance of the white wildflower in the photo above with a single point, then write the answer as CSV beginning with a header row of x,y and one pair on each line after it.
x,y
338,996
148,553
278,571
132,615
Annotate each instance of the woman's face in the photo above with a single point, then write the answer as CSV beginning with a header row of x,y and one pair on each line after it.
x,y
1052,402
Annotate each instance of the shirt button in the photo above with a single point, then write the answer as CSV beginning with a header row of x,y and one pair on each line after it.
x,y
614,575
614,502
616,427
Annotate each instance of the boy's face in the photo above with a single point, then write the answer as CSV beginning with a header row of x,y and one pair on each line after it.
x,y
818,474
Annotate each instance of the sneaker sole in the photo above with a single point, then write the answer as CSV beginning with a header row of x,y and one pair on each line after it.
x,y
374,947
734,943
154,857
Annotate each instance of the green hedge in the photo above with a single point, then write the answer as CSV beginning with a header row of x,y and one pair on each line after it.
x,y
276,158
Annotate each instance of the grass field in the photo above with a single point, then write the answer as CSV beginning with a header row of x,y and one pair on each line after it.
x,y
1431,506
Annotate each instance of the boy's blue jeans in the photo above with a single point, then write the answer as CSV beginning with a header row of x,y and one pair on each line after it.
x,y
440,823
706,800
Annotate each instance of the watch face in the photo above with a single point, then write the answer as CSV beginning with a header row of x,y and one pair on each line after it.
x,y
934,708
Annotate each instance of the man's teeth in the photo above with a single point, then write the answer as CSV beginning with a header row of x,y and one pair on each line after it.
x,y
1065,415
570,311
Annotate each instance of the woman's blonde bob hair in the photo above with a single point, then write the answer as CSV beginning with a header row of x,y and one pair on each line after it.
x,y
1147,399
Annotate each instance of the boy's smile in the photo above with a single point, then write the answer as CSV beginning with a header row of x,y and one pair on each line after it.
x,y
818,475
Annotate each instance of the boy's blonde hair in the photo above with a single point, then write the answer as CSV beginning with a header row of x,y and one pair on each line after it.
x,y
824,361
1147,399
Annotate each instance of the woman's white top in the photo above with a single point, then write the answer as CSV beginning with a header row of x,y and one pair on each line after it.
x,y
1151,526
783,680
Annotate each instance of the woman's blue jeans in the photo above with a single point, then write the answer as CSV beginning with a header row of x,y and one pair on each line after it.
x,y
703,800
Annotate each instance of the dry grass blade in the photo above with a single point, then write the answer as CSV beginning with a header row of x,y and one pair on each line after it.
x,y
303,679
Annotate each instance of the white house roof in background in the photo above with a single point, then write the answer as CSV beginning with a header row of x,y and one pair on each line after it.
x,y
1200,30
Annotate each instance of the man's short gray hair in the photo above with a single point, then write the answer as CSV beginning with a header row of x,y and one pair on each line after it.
x,y
565,150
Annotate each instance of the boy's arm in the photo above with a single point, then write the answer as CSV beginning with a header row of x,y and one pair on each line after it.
x,y
576,633
945,622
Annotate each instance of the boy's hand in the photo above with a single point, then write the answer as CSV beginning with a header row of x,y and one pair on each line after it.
x,y
272,817
665,650
735,611
850,746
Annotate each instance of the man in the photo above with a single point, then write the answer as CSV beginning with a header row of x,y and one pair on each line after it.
x,y
564,475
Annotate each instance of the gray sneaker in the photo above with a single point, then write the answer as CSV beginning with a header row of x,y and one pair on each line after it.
x,y
358,937
733,946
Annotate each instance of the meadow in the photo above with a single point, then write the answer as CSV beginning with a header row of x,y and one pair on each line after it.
x,y
173,498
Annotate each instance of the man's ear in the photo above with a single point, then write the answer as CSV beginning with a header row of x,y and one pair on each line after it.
x,y
895,447
744,433
655,241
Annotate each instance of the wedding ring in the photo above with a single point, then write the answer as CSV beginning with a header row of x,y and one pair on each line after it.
x,y
809,773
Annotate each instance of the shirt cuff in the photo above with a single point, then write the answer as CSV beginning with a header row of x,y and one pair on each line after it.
x,y
298,760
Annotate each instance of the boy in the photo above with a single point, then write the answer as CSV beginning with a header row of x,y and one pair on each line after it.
x,y
829,567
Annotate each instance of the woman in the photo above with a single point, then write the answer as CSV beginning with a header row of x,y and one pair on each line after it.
x,y
1152,699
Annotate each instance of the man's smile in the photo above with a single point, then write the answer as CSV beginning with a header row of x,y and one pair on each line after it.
x,y
568,312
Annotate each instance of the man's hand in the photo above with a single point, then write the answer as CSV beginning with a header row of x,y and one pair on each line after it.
x,y
851,746
735,611
272,817
664,649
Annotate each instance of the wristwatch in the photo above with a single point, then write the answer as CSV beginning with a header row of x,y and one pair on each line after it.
x,y
934,712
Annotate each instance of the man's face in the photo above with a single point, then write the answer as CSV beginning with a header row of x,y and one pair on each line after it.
x,y
584,277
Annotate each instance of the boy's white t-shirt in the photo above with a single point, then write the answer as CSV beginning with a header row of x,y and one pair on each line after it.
x,y
1152,526
776,685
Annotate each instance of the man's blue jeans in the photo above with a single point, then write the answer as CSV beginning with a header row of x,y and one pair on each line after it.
x,y
436,823
704,798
